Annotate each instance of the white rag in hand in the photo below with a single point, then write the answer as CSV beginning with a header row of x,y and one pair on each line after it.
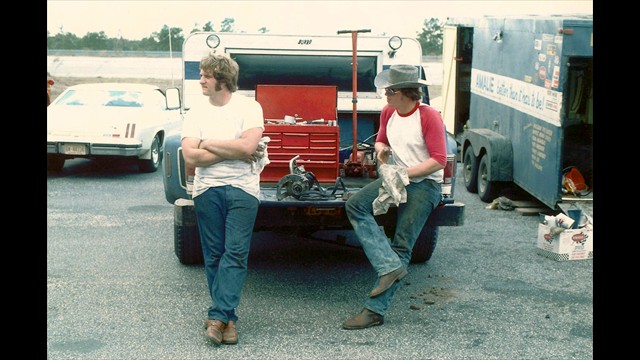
x,y
261,156
392,190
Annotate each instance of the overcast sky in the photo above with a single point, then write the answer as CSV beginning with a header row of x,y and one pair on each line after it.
x,y
135,20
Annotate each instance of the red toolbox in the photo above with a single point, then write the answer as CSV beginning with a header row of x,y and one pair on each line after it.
x,y
317,143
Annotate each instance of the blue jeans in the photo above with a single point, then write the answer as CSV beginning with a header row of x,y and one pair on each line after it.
x,y
226,216
384,254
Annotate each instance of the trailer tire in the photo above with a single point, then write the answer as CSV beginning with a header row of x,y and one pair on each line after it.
x,y
424,245
487,189
470,170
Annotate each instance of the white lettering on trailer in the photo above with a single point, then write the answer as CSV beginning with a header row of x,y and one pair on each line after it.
x,y
533,100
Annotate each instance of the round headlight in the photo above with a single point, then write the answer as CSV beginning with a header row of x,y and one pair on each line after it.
x,y
395,42
213,41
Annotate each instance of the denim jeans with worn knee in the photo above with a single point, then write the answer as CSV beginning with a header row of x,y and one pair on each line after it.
x,y
387,254
226,216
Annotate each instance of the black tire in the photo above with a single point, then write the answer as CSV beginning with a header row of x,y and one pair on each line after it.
x,y
186,238
389,231
425,243
470,170
153,163
187,245
487,190
55,162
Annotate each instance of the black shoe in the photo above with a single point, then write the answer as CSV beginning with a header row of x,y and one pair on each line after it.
x,y
366,318
387,280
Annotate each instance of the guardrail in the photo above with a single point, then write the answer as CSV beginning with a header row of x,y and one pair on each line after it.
x,y
114,53
156,54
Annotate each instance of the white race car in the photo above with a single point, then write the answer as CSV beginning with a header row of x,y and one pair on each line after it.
x,y
107,120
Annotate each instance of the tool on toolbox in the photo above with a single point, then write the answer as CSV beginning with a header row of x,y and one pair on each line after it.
x,y
304,185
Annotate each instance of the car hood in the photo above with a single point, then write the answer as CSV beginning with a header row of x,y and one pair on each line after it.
x,y
95,121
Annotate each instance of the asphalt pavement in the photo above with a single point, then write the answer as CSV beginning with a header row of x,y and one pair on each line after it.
x,y
115,289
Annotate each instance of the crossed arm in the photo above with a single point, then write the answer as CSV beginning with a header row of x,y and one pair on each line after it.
x,y
206,152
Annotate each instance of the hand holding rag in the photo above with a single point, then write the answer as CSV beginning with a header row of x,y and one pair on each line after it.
x,y
261,156
392,190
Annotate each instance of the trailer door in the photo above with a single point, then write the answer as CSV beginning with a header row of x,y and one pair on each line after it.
x,y
457,51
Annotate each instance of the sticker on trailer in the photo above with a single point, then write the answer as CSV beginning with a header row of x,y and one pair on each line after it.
x,y
520,95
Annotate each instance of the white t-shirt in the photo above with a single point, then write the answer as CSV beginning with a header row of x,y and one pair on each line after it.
x,y
407,141
206,121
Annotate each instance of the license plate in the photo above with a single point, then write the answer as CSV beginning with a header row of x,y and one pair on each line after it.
x,y
326,211
74,149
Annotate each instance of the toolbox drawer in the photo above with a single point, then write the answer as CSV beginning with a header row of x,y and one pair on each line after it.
x,y
317,145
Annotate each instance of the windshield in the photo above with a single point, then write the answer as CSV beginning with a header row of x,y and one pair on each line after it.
x,y
274,69
102,98
279,69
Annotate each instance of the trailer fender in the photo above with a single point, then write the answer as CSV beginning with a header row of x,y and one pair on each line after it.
x,y
497,147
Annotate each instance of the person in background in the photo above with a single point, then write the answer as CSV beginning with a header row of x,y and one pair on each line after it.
x,y
219,138
414,133
49,83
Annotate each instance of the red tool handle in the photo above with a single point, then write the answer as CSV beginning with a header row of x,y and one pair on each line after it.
x,y
354,99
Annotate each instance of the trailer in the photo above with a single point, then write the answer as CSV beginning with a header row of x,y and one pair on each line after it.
x,y
518,99
319,153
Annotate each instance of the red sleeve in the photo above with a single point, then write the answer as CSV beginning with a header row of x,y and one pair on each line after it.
x,y
434,134
385,114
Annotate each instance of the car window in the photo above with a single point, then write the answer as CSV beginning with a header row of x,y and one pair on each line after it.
x,y
72,97
124,99
86,97
155,100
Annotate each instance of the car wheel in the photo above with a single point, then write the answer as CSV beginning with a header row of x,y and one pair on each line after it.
x,y
153,163
187,245
425,244
55,162
487,190
186,238
470,170
389,231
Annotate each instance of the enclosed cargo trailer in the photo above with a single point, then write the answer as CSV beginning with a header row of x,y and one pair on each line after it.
x,y
518,98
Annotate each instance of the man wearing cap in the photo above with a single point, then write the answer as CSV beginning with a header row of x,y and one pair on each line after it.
x,y
414,133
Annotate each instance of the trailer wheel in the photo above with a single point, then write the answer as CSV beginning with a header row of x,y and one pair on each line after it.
x,y
425,243
470,170
487,189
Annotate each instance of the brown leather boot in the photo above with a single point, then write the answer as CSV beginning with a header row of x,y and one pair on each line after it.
x,y
230,333
387,280
366,318
214,330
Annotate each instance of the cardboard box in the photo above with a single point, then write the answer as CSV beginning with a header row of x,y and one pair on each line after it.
x,y
570,244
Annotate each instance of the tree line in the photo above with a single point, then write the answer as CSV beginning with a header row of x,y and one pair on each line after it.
x,y
430,38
